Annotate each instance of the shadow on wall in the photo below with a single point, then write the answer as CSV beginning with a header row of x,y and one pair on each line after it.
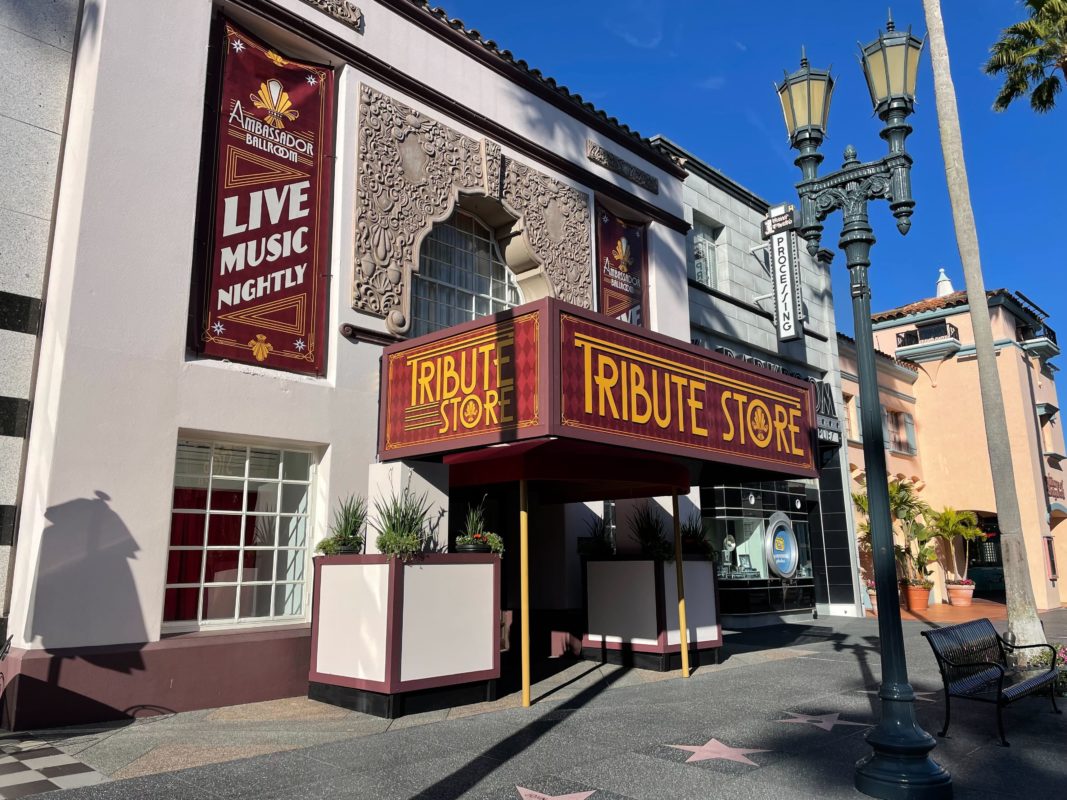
x,y
84,594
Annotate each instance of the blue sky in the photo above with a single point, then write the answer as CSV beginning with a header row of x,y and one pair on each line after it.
x,y
700,72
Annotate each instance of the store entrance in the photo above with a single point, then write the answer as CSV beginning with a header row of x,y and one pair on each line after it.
x,y
557,613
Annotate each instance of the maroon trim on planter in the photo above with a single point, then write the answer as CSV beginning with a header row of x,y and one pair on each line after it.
x,y
661,604
393,683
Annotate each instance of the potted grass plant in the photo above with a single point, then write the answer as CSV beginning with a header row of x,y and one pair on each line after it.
x,y
401,521
475,538
648,530
346,531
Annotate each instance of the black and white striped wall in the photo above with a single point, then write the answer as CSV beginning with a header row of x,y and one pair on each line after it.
x,y
37,39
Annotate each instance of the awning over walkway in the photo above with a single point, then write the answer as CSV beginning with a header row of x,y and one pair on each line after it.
x,y
566,470
548,371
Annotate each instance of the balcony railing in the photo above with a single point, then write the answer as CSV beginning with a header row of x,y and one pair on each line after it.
x,y
928,333
1028,332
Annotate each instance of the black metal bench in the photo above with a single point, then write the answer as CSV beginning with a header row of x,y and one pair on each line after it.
x,y
974,665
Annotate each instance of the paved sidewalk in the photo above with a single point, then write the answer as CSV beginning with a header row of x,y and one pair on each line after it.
x,y
785,713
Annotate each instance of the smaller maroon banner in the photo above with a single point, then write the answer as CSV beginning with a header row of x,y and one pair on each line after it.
x,y
622,258
267,291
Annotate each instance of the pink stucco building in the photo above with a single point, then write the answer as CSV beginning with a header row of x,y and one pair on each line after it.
x,y
935,433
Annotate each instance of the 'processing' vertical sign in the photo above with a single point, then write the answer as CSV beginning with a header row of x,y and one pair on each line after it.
x,y
779,228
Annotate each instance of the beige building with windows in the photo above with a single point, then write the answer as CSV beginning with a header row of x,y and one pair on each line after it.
x,y
934,426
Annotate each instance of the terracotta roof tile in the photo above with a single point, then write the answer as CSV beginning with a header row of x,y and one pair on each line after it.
x,y
931,304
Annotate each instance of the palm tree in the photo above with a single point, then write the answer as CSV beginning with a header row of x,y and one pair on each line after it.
x,y
907,509
1023,622
949,525
1028,54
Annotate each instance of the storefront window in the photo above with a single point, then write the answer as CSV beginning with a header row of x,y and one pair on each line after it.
x,y
747,519
238,537
461,276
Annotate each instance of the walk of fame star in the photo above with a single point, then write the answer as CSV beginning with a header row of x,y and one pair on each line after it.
x,y
714,749
824,721
530,794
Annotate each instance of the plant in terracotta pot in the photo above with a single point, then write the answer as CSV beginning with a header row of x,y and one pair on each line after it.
x,y
401,521
475,538
951,525
346,532
650,533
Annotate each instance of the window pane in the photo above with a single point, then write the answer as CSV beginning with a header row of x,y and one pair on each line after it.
x,y
291,565
226,495
190,492
193,459
262,497
291,531
264,463
297,466
180,604
187,529
258,565
220,602
229,461
183,566
223,530
221,566
255,601
259,531
288,599
294,498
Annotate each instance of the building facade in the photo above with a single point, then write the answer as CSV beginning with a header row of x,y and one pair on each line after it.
x,y
308,182
932,420
732,311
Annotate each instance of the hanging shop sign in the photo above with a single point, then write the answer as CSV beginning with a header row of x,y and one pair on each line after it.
x,y
267,290
779,229
780,546
1055,489
622,267
552,369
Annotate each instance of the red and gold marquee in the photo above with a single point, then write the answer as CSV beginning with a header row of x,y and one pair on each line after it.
x,y
552,369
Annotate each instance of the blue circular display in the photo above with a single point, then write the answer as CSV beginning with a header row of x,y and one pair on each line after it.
x,y
782,550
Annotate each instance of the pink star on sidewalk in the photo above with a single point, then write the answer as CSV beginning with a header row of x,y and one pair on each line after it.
x,y
530,794
717,750
824,721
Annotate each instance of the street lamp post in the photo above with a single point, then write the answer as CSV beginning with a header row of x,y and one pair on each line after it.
x,y
900,765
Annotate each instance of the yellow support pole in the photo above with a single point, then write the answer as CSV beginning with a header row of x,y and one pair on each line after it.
x,y
683,629
524,588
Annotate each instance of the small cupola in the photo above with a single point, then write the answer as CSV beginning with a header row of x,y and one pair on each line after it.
x,y
944,285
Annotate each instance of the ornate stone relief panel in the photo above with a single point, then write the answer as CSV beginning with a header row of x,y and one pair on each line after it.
x,y
412,169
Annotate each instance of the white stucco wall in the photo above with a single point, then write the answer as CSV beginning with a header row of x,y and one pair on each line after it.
x,y
117,387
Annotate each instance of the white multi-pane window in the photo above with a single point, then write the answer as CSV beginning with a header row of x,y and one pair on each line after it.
x,y
461,276
238,535
704,254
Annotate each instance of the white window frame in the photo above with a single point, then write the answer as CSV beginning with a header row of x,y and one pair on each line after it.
x,y
430,293
704,250
236,622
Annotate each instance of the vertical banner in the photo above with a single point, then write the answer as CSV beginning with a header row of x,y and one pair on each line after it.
x,y
267,291
622,267
779,227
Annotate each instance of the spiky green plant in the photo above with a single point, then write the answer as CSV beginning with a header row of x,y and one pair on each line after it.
x,y
401,522
647,528
950,525
346,532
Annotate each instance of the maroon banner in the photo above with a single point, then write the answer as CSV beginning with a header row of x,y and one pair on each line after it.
x,y
622,258
267,292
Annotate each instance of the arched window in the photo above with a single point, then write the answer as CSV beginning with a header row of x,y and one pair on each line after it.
x,y
461,276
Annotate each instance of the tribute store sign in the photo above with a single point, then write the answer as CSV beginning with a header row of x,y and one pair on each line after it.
x,y
551,369
267,291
